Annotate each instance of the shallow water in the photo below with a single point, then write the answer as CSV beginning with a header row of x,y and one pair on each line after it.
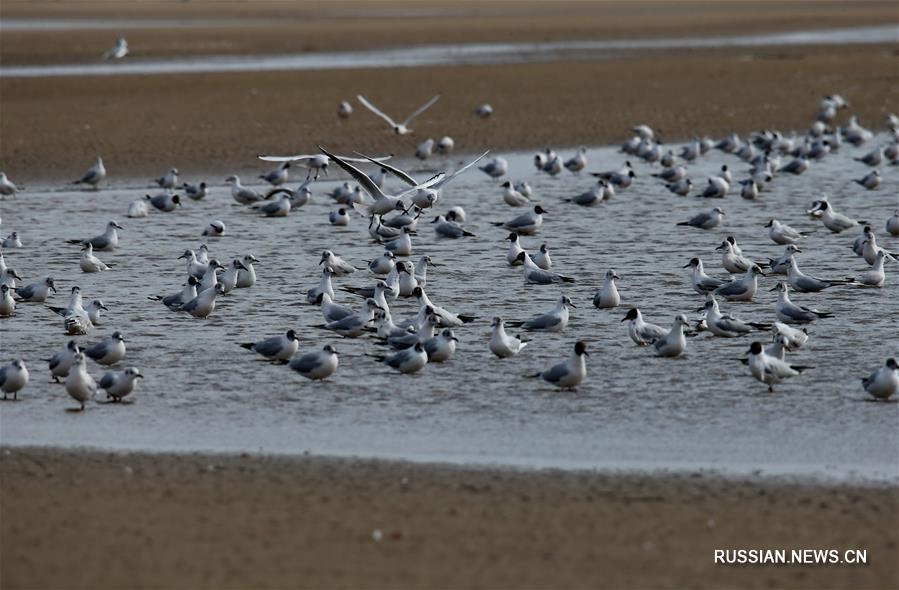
x,y
204,392
468,54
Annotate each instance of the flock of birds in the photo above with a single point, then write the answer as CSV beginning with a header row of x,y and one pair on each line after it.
x,y
430,335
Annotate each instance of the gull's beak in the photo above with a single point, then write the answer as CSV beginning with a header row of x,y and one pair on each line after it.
x,y
615,276
432,264
585,353
687,265
454,338
53,288
573,305
118,226
182,256
104,307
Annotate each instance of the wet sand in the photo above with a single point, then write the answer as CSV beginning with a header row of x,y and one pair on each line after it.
x,y
214,125
81,519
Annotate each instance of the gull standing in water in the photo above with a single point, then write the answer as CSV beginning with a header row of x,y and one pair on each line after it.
x,y
94,175
744,288
168,180
526,224
495,168
316,365
892,225
512,197
789,312
119,384
515,250
398,128
884,382
246,277
726,325
7,187
555,320
333,312
277,208
196,192
75,319
354,326
178,299
607,296
36,292
108,240
806,283
242,194
90,263
441,347
215,229
702,283
449,229
7,303
794,337
138,208
276,348
204,303
339,218
408,360
709,220
13,378
62,361
770,370
503,345
338,265
875,277
535,275
109,351
832,220
278,176
12,241
783,234
731,260
578,161
640,331
79,384
569,374
674,342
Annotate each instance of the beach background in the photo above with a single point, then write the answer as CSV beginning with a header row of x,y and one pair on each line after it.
x,y
74,517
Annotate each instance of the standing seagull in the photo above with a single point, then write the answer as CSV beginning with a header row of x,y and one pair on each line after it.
x,y
109,351
118,51
36,292
108,240
789,312
276,348
118,384
768,369
702,283
316,365
278,176
398,128
168,180
7,187
569,374
674,342
607,296
79,384
13,377
503,345
709,220
62,361
408,360
94,175
883,382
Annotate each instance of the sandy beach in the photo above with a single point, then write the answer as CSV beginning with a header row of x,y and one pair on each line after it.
x,y
215,124
80,519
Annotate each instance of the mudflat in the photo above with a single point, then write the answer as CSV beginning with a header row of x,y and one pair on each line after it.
x,y
77,519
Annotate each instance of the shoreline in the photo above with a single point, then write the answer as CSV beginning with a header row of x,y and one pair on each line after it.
x,y
163,520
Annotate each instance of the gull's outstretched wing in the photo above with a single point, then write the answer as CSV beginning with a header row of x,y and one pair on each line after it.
x,y
461,170
420,110
375,110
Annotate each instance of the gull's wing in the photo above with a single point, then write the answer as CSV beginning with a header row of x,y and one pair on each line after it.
x,y
420,110
375,110
361,177
461,170
285,158
426,184
392,169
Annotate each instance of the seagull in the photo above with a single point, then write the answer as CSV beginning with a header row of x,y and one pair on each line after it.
x,y
726,325
7,303
674,342
781,264
447,318
578,161
742,289
168,180
672,174
425,332
869,247
195,268
344,110
449,229
870,181
228,279
246,277
770,370
317,163
512,197
806,283
750,189
515,250
535,275
277,208
797,166
316,365
408,360
278,176
137,208
8,277
398,128
62,361
276,348
893,224
495,168
339,218
94,175
503,345
354,325
215,229
338,265
607,296
794,337
196,192
13,377
421,270
75,318
210,277
401,246
569,374
873,158
79,384
789,312
484,111
832,220
622,178
640,331
7,187
118,51
181,297
702,283
93,311
445,145
119,384
783,234
108,240
425,149
592,197
333,312
884,382
109,351
875,277
242,194
717,188
733,263
525,224
709,220
204,303
542,259
554,320
383,264
164,202
441,347
36,292
12,241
